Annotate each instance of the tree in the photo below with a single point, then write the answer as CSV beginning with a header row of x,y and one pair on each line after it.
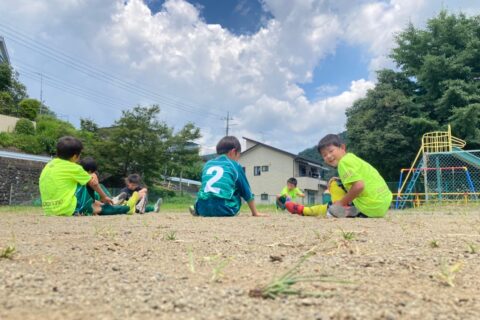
x,y
7,105
435,85
29,108
50,129
5,76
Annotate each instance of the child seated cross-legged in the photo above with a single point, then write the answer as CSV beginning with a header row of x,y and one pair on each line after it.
x,y
359,192
63,182
224,184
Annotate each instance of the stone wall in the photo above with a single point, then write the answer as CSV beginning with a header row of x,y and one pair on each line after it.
x,y
19,181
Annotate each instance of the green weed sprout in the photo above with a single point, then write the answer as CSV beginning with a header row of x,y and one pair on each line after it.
x,y
282,286
448,272
348,235
171,236
434,244
8,252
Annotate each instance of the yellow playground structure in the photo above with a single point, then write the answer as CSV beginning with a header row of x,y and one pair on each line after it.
x,y
442,172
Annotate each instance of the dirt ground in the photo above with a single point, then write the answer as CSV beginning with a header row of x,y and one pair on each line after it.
x,y
411,265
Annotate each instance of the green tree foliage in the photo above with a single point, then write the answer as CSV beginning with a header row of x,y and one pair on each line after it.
x,y
7,105
6,76
25,126
139,143
29,108
50,129
435,85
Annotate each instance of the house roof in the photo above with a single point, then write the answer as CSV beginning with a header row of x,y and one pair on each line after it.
x,y
3,51
294,156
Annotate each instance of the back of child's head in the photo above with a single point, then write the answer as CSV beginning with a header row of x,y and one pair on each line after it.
x,y
133,178
67,147
329,140
228,143
292,181
89,164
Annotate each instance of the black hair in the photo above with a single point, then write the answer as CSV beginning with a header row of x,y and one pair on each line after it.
x,y
329,140
89,164
228,143
67,147
292,181
133,178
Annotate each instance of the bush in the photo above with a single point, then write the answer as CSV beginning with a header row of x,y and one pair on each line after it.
x,y
27,143
160,192
25,126
6,139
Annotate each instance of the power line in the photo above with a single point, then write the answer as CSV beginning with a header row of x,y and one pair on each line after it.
x,y
98,74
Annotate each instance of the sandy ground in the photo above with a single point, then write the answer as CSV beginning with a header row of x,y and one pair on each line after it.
x,y
175,266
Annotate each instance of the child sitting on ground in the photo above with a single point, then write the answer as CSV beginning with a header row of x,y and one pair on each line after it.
x,y
224,183
289,193
364,186
135,192
62,182
90,165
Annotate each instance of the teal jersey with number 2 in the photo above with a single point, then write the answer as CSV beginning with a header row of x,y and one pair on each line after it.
x,y
223,178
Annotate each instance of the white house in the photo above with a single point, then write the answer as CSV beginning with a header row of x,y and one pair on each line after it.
x,y
268,169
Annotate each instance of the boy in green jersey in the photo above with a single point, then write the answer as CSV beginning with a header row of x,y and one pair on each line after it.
x,y
224,184
289,193
366,194
62,182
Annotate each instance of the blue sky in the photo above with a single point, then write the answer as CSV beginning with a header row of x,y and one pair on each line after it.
x,y
285,70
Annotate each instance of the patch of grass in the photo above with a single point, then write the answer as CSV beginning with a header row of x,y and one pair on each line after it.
x,y
8,252
472,248
171,235
348,235
448,273
218,264
283,285
434,244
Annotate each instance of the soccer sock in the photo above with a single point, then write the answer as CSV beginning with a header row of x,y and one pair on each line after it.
x,y
320,210
336,191
131,203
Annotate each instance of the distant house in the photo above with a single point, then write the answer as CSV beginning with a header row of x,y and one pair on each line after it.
x,y
3,51
268,168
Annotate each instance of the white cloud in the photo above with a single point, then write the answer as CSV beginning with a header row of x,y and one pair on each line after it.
x,y
192,63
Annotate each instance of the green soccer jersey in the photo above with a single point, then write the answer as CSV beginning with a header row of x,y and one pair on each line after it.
x,y
375,198
225,179
58,183
292,194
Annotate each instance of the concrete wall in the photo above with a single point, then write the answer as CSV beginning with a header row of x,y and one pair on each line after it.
x,y
7,123
19,181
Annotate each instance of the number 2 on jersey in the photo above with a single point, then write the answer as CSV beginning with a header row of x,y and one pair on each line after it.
x,y
218,175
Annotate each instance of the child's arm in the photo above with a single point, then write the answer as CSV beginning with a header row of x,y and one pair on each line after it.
x,y
355,190
93,183
253,209
300,193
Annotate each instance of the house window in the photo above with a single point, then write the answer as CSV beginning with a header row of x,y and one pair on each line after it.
x,y
264,197
265,168
302,170
256,171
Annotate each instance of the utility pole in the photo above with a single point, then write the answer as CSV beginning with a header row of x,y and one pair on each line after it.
x,y
227,127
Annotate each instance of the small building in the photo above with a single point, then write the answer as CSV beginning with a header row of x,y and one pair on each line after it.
x,y
268,169
3,51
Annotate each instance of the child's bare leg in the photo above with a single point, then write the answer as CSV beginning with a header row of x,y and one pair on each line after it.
x,y
97,208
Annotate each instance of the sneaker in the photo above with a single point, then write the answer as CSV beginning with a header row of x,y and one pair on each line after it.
x,y
119,199
156,208
192,211
294,208
140,207
342,212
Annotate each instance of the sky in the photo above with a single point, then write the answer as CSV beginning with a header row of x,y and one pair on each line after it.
x,y
284,71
